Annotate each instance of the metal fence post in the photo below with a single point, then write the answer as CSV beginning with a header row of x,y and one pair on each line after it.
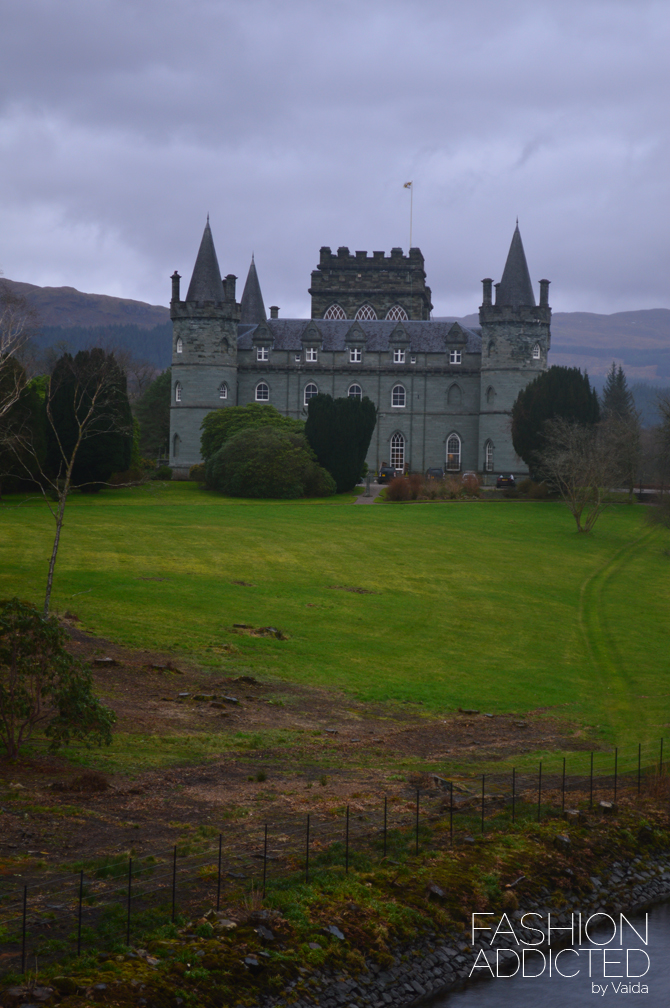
x,y
346,843
81,898
539,793
616,770
513,794
307,851
218,880
23,929
483,787
130,882
416,827
385,820
174,880
265,857
451,814
639,767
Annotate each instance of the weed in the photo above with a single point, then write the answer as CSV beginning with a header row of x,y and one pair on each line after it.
x,y
261,776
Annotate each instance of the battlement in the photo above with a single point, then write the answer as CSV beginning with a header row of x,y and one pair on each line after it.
x,y
343,258
346,284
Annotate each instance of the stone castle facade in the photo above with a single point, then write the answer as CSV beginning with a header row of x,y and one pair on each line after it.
x,y
443,392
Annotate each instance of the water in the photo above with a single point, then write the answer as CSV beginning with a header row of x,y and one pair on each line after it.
x,y
559,992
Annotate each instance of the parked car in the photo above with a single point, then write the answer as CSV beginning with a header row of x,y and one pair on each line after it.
x,y
434,474
468,476
505,481
386,474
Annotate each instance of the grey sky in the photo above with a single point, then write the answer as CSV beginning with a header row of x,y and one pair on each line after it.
x,y
295,123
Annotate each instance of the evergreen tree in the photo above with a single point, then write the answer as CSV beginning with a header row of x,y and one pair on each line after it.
x,y
222,424
339,431
617,399
90,424
22,431
153,413
559,392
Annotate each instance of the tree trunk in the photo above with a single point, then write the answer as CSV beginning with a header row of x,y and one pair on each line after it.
x,y
60,515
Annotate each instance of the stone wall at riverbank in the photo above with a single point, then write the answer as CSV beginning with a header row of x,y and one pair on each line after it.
x,y
435,965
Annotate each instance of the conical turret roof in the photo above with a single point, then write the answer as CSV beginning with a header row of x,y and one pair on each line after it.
x,y
515,288
252,306
206,282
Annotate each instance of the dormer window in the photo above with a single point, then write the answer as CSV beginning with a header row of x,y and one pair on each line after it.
x,y
180,345
537,353
454,356
298,358
311,355
413,360
262,353
398,356
355,355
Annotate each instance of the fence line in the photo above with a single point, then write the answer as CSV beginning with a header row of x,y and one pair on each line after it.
x,y
301,843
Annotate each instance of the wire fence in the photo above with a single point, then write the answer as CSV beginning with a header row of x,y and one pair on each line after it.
x,y
114,900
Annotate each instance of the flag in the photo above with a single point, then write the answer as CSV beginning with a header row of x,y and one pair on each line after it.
x,y
407,185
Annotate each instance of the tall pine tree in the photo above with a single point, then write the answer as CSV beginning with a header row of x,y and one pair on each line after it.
x,y
617,399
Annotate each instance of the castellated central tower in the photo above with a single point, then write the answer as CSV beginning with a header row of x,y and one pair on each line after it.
x,y
515,334
204,353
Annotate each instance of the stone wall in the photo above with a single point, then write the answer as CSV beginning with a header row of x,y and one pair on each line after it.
x,y
352,280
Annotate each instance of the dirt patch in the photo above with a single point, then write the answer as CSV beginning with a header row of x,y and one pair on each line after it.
x,y
334,751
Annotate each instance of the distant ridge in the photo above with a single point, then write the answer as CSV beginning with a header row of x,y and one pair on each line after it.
x,y
637,340
65,306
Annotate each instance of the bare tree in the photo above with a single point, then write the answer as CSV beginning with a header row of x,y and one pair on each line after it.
x,y
85,401
584,464
18,325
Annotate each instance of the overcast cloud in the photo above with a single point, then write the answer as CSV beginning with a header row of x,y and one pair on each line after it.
x,y
295,123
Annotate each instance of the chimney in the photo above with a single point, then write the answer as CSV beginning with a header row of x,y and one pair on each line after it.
x,y
230,286
544,293
486,297
274,311
175,285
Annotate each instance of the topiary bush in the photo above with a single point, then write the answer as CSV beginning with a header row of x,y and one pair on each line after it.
x,y
163,473
197,473
268,462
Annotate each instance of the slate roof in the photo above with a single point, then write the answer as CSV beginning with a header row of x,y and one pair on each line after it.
x,y
206,283
251,306
515,288
424,337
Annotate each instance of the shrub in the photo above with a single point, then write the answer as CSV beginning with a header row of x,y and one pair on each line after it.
x,y
525,485
416,486
398,489
222,424
339,432
470,484
538,491
197,473
268,462
163,473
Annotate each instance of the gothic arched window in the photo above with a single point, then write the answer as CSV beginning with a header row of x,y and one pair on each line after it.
x,y
310,391
398,395
397,313
490,395
366,313
537,353
355,392
488,456
453,453
177,392
176,440
223,390
335,312
262,392
454,395
398,452
180,345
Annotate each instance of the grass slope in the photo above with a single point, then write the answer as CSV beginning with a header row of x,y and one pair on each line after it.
x,y
499,606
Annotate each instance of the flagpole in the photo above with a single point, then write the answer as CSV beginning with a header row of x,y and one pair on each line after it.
x,y
410,186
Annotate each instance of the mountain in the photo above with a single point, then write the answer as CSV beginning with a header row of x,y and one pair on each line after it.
x,y
65,306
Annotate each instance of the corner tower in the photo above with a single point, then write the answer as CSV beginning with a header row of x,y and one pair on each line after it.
x,y
515,343
204,353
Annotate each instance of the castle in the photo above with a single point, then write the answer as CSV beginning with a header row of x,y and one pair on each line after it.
x,y
443,392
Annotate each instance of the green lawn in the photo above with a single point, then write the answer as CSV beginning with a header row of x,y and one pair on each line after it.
x,y
496,605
